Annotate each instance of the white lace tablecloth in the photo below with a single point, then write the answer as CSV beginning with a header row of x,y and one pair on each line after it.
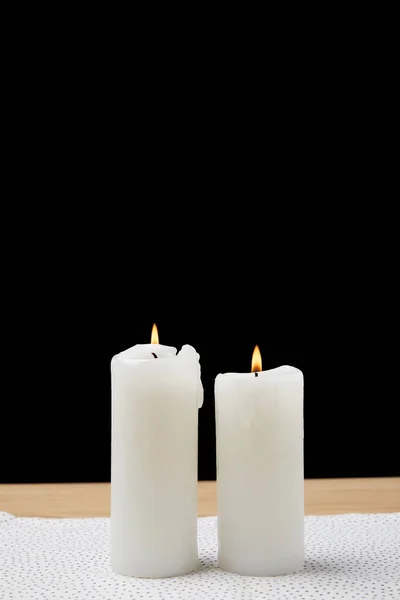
x,y
347,557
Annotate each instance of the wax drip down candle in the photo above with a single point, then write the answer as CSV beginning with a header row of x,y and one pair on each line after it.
x,y
260,476
156,394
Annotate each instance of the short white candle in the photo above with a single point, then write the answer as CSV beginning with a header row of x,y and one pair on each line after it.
x,y
156,394
260,476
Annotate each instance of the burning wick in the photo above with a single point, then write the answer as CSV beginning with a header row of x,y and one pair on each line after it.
x,y
154,338
256,363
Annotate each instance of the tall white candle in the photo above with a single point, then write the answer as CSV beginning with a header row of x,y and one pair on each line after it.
x,y
260,478
156,394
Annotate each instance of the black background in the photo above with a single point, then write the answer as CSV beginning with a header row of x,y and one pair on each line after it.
x,y
241,202
92,284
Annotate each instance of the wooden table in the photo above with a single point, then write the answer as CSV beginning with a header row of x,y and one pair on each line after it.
x,y
322,497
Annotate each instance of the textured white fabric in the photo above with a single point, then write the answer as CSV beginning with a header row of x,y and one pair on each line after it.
x,y
347,557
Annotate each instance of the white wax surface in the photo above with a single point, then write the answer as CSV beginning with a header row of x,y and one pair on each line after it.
x,y
260,480
155,405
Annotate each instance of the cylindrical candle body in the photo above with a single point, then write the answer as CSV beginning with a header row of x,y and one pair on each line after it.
x,y
260,476
155,399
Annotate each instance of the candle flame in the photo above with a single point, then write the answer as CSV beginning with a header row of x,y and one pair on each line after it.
x,y
256,364
154,335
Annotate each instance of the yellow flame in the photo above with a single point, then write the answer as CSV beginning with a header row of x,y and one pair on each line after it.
x,y
154,335
256,363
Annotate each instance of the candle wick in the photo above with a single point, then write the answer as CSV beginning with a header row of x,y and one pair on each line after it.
x,y
256,374
155,355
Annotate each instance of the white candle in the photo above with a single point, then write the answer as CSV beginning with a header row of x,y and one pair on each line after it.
x,y
260,477
156,394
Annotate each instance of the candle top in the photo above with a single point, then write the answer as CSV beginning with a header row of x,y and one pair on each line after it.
x,y
148,352
157,351
283,372
156,360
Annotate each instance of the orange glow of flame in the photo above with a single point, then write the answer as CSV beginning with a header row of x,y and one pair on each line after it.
x,y
256,364
154,335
